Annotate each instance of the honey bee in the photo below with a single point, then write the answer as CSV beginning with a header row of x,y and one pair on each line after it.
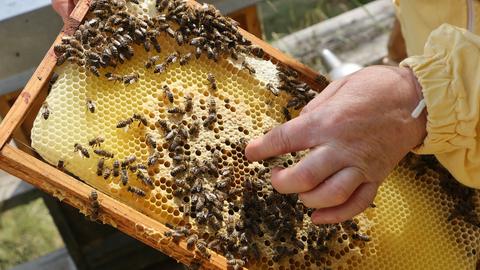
x,y
136,191
124,176
128,161
215,244
178,170
191,241
145,179
114,77
273,89
106,173
188,103
170,32
61,165
176,110
164,126
151,61
140,118
103,153
257,51
236,264
52,81
210,52
197,186
61,59
212,106
152,159
96,141
198,52
45,110
150,141
182,183
160,68
298,243
178,158
94,70
198,41
361,237
171,135
95,205
76,60
100,166
182,132
214,223
179,38
212,80
210,120
156,45
60,49
248,67
82,150
168,93
185,59
194,129
125,123
91,105
175,235
116,168
286,114
172,58
131,78
198,200
202,248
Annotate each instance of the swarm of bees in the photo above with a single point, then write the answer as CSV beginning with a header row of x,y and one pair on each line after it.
x,y
206,189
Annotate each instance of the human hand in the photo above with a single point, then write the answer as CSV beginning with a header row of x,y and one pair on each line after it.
x,y
64,8
357,130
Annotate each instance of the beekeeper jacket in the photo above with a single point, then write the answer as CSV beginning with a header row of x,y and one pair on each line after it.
x,y
443,44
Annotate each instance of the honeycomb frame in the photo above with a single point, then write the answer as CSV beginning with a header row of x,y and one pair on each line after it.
x,y
75,193
394,204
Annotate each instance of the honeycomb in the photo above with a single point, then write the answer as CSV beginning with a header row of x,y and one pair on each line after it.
x,y
409,228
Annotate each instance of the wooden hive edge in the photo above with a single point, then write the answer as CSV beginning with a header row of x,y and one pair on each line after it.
x,y
76,193
112,212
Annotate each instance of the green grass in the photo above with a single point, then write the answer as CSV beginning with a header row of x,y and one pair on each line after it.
x,y
282,17
26,232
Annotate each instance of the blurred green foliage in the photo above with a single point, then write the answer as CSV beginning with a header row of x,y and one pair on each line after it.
x,y
282,17
26,232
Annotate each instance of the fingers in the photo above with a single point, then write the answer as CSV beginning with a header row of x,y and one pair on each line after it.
x,y
290,137
323,96
335,190
359,201
312,170
64,7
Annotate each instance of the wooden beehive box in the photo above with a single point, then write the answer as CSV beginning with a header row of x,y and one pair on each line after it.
x,y
35,171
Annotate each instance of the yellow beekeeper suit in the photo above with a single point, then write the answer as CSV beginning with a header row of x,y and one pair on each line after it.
x,y
445,57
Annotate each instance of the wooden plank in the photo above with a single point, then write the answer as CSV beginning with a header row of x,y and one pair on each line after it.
x,y
117,214
248,19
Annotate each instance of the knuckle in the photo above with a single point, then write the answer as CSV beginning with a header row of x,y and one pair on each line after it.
x,y
306,178
280,140
306,201
339,194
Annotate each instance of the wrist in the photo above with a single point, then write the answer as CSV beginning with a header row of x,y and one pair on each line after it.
x,y
419,124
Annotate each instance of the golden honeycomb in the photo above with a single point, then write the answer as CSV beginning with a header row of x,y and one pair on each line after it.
x,y
409,228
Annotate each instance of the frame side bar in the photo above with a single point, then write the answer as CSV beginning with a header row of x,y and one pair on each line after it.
x,y
117,214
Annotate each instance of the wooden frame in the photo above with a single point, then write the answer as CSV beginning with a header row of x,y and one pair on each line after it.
x,y
76,193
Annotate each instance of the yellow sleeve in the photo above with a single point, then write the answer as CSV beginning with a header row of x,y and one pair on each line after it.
x,y
449,72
